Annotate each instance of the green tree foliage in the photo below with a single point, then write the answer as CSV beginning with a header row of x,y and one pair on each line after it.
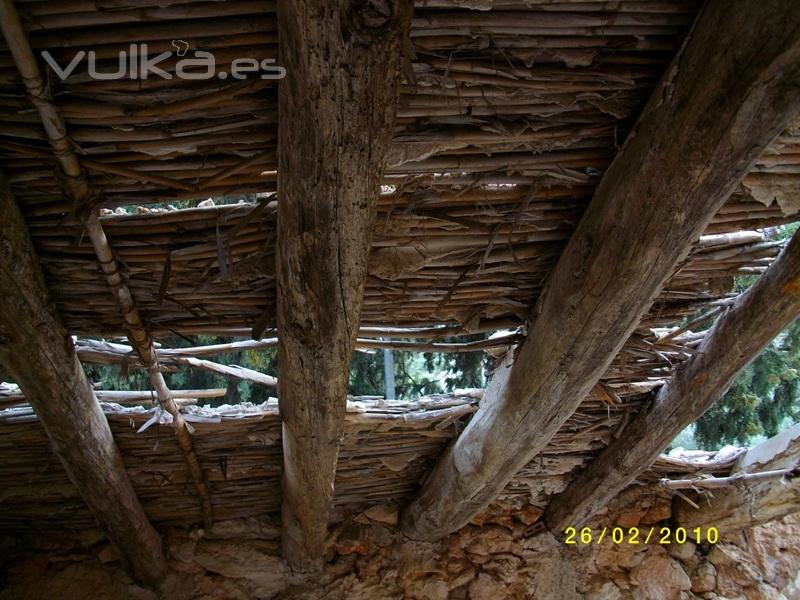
x,y
761,399
418,374
366,374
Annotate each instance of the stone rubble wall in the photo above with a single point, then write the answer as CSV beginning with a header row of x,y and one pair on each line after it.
x,y
503,555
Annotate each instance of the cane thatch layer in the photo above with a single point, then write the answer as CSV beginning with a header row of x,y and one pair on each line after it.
x,y
386,450
510,112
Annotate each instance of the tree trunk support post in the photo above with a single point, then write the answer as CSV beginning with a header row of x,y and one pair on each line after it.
x,y
37,349
726,95
337,106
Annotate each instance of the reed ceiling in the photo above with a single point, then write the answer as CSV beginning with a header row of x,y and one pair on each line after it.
x,y
509,114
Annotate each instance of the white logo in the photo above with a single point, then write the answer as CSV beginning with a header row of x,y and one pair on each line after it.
x,y
138,64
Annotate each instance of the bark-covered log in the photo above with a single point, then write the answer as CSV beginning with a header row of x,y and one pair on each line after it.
x,y
749,504
737,338
337,108
37,350
732,88
76,185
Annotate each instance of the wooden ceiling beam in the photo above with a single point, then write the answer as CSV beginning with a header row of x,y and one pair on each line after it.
x,y
735,340
78,187
730,90
37,350
337,107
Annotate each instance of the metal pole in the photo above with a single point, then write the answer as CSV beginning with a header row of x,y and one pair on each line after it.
x,y
388,375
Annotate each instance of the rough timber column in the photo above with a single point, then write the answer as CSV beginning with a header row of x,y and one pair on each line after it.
x,y
38,351
735,340
336,107
76,186
733,87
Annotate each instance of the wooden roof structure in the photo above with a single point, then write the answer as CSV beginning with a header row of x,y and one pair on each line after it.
x,y
508,116
386,450
491,167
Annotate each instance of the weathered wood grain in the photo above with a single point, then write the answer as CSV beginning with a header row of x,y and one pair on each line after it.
x,y
38,352
737,338
337,106
747,505
730,90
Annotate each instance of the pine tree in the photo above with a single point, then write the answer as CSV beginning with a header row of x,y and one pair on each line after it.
x,y
763,396
766,393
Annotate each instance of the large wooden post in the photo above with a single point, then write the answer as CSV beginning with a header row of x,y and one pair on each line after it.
x,y
732,88
77,186
736,339
37,350
337,106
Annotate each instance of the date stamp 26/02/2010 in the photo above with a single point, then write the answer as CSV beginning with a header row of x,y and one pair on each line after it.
x,y
636,535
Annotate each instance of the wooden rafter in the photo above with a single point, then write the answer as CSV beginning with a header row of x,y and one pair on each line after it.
x,y
142,342
79,189
754,498
725,96
337,109
107,353
736,339
37,350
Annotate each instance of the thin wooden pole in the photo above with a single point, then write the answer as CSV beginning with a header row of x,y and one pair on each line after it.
x,y
714,483
143,344
40,96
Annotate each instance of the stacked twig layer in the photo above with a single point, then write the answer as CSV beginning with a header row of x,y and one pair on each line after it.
x,y
386,450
